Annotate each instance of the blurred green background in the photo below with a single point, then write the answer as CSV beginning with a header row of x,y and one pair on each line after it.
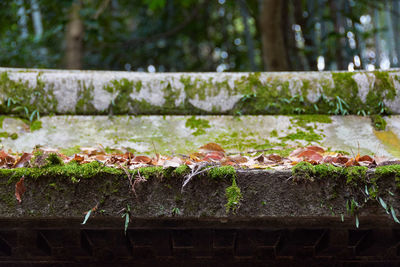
x,y
200,35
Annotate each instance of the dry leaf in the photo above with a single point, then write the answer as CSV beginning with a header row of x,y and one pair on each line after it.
x,y
20,189
211,147
23,161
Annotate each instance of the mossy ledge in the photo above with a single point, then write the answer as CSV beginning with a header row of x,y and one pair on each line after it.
x,y
359,185
329,93
72,189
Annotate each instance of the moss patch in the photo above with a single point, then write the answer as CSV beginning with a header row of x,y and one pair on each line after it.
x,y
197,124
301,135
222,173
36,125
303,171
378,122
234,196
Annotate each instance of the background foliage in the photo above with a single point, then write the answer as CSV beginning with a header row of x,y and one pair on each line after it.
x,y
200,35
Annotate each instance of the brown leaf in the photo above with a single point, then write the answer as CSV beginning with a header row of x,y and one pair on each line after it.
x,y
238,159
352,162
365,158
211,147
141,159
6,159
260,158
20,189
23,161
78,158
316,149
274,158
341,159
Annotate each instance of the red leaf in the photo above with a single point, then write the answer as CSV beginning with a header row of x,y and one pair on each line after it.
x,y
310,155
214,156
316,149
20,189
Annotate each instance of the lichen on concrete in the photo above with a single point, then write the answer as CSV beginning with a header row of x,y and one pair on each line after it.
x,y
207,93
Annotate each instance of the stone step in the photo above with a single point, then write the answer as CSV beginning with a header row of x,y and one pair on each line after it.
x,y
184,134
109,92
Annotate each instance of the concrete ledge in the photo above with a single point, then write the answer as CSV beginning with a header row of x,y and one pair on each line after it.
x,y
280,220
105,92
57,192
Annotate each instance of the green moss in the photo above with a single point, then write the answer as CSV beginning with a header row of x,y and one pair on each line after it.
x,y
122,102
328,171
222,172
274,133
303,171
303,120
356,175
53,159
197,124
21,94
85,96
389,171
181,170
71,151
13,136
234,196
2,117
36,125
300,135
3,134
378,122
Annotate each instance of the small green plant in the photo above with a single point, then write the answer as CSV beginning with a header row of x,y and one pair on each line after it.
x,y
234,196
15,107
127,216
175,211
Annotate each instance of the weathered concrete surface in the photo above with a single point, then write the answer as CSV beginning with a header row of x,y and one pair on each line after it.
x,y
184,134
103,92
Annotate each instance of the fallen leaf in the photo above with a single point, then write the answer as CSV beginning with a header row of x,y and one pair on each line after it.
x,y
174,162
215,156
141,159
78,158
316,149
23,161
366,158
211,147
274,158
20,189
6,159
238,159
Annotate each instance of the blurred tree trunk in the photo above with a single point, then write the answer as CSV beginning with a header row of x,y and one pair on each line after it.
x,y
396,28
22,19
377,38
335,14
249,39
74,38
37,19
273,45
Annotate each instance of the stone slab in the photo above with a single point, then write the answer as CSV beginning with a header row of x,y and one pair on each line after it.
x,y
184,134
105,92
